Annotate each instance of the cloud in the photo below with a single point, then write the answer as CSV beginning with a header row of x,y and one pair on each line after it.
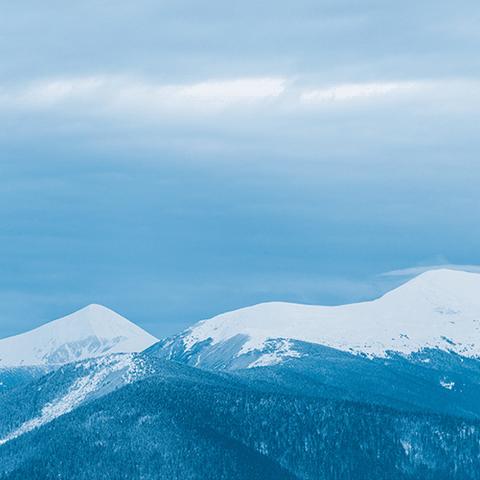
x,y
413,271
117,92
354,91
49,93
234,90
267,116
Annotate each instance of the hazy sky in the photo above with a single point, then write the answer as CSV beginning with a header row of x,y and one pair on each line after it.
x,y
176,159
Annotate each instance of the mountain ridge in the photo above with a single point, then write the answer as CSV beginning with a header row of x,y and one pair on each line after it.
x,y
437,309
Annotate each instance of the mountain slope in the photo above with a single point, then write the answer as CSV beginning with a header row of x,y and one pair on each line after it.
x,y
439,309
41,401
184,423
447,384
91,332
11,377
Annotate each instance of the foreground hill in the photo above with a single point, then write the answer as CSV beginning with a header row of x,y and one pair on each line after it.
x,y
177,422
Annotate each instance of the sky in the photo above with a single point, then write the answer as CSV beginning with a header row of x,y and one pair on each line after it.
x,y
177,159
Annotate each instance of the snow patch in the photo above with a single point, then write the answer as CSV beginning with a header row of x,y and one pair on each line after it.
x,y
446,384
283,350
407,447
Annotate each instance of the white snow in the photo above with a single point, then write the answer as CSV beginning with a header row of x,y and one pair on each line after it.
x,y
446,384
282,351
407,447
437,309
90,332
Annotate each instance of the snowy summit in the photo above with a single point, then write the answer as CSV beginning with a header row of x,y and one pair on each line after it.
x,y
438,309
90,332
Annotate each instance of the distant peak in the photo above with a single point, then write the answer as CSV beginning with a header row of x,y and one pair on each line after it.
x,y
94,311
95,307
92,331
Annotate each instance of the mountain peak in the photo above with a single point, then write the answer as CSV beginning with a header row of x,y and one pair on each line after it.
x,y
448,276
437,309
95,307
99,319
89,332
440,285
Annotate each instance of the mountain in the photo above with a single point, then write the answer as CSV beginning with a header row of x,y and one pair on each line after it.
x,y
90,332
386,389
171,421
439,309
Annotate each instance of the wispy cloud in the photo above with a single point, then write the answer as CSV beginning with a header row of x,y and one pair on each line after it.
x,y
141,96
354,91
234,90
119,92
219,110
413,271
55,91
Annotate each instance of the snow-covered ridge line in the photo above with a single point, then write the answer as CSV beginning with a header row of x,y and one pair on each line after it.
x,y
437,309
88,333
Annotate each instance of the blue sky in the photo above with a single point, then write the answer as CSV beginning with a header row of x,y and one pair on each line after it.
x,y
173,160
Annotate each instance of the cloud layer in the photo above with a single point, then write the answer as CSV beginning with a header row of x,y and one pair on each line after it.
x,y
113,93
179,158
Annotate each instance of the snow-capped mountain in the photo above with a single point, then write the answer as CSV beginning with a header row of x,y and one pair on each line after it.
x,y
346,394
90,332
439,309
